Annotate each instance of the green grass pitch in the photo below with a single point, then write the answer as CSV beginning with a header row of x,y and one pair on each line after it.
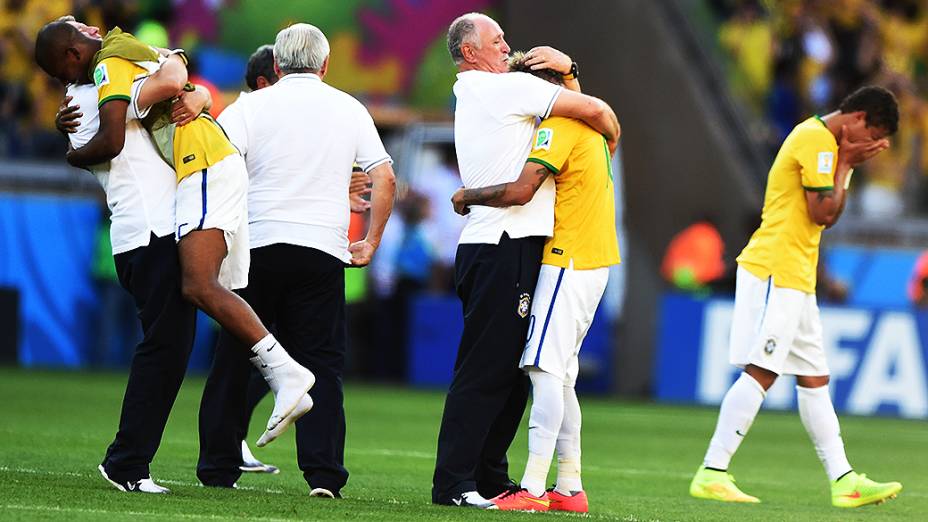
x,y
638,459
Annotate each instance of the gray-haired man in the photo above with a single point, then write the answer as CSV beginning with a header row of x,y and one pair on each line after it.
x,y
499,253
300,138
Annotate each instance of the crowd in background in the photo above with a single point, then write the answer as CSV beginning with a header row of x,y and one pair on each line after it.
x,y
789,59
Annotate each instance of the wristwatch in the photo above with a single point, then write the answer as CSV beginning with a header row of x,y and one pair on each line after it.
x,y
574,72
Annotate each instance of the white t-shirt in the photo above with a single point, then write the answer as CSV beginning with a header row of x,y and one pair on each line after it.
x,y
494,120
300,138
139,185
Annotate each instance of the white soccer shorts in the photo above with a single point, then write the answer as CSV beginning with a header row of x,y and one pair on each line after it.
x,y
565,302
778,329
217,197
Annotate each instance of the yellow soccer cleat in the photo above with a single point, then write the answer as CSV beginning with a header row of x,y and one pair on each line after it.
x,y
855,490
718,485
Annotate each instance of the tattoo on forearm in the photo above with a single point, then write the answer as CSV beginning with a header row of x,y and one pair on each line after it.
x,y
496,194
484,195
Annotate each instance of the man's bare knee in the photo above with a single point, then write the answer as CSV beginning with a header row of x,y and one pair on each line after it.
x,y
812,381
763,376
197,291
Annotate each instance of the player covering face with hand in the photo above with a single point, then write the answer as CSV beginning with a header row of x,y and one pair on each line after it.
x,y
572,280
776,327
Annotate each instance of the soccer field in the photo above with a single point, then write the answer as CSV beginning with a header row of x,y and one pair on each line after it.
x,y
638,461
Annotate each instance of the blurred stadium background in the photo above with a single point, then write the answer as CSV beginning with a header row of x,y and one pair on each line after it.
x,y
705,90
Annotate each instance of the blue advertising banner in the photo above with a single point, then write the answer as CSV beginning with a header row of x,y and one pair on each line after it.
x,y
877,357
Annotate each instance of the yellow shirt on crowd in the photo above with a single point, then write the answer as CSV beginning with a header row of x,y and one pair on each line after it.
x,y
584,209
786,244
197,145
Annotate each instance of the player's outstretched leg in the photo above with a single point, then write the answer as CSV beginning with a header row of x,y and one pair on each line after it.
x,y
568,494
201,255
737,413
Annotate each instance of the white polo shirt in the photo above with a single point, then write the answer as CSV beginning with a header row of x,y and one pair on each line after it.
x,y
139,185
300,138
494,120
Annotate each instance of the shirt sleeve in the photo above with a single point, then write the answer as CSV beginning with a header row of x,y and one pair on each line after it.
x,y
371,152
232,121
553,141
113,78
817,160
521,94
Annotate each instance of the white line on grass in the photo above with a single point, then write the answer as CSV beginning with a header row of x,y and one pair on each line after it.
x,y
391,500
159,515
92,475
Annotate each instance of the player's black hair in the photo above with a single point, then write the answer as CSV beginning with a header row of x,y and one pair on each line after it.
x,y
517,64
261,63
879,104
52,41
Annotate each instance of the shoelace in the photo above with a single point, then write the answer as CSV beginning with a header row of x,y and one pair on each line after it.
x,y
510,492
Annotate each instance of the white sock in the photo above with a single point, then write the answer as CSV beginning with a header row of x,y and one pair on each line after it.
x,y
544,422
739,408
269,354
818,416
568,445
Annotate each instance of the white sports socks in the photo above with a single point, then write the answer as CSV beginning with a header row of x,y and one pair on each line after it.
x,y
819,418
568,445
269,354
543,425
737,413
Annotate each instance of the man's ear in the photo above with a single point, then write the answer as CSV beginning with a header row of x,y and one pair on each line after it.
x,y
262,82
276,69
467,51
325,68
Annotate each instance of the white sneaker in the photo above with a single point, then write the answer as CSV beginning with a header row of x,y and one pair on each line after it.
x,y
305,404
321,493
145,485
251,464
474,500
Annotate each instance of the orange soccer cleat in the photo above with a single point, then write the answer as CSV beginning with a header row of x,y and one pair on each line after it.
x,y
576,502
520,500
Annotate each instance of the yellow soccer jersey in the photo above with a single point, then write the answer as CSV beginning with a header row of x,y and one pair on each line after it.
x,y
584,209
197,145
114,77
786,244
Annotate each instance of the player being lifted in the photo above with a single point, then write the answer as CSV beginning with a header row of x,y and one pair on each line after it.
x,y
574,272
211,210
776,327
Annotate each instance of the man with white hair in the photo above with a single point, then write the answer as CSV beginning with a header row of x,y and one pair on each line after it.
x,y
499,252
300,138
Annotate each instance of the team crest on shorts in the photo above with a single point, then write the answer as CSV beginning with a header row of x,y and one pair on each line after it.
x,y
524,301
770,346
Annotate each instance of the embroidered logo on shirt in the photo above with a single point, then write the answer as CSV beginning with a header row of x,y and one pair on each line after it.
x,y
770,346
188,159
826,161
100,76
523,308
557,251
543,139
